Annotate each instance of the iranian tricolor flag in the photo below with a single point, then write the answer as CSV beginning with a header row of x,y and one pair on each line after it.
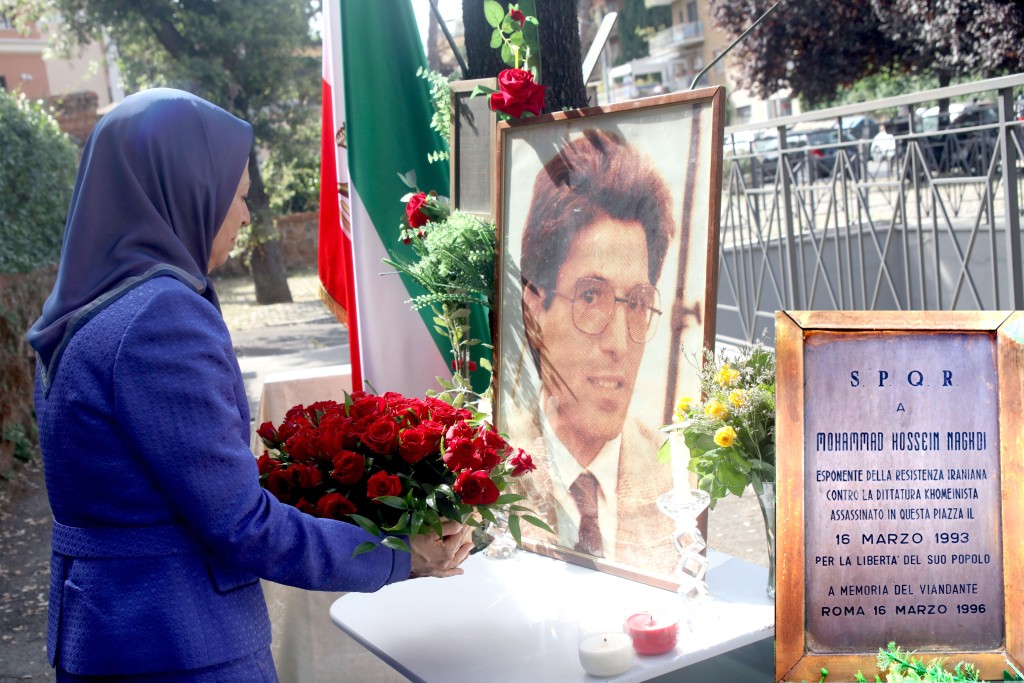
x,y
376,125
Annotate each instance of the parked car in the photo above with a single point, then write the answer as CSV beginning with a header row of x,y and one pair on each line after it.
x,y
812,154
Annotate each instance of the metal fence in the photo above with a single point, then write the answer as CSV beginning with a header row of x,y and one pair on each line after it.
x,y
820,211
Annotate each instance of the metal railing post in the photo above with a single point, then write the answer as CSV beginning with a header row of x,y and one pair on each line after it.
x,y
1011,208
792,281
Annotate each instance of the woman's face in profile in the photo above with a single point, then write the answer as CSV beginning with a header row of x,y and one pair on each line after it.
x,y
592,375
238,215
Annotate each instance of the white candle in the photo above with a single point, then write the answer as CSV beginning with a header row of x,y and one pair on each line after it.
x,y
606,654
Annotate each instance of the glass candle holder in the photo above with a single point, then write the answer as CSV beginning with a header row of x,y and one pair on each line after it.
x,y
653,633
605,649
684,506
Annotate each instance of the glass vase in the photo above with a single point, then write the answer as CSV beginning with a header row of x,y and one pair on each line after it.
x,y
766,501
684,506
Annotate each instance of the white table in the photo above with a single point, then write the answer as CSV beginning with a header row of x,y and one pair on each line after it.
x,y
515,620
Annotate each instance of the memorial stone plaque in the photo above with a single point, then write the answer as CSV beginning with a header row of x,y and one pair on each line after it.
x,y
899,471
902,487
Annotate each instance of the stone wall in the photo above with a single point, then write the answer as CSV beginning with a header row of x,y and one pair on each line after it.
x,y
76,114
299,242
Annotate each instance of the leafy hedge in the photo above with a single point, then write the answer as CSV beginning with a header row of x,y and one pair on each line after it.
x,y
37,173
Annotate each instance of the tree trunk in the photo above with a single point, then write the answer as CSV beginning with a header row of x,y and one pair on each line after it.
x,y
482,60
560,52
561,55
266,263
433,29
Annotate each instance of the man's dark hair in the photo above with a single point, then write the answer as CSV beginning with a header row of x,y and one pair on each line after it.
x,y
598,174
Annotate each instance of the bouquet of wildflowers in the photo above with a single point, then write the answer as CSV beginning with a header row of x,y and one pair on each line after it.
x,y
395,466
731,432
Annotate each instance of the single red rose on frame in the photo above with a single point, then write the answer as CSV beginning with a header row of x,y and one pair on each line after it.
x,y
516,15
417,219
517,93
475,488
383,484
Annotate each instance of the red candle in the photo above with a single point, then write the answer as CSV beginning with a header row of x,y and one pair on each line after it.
x,y
652,634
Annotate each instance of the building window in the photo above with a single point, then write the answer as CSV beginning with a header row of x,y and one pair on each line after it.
x,y
3,83
743,115
786,107
691,12
5,23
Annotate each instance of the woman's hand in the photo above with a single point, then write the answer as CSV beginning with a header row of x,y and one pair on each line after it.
x,y
441,557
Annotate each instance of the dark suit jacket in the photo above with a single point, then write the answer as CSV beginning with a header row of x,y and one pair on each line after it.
x,y
161,527
643,536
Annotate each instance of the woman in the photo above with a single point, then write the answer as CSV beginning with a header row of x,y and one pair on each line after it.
x,y
161,529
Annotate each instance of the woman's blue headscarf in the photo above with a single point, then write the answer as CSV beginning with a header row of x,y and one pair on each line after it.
x,y
156,180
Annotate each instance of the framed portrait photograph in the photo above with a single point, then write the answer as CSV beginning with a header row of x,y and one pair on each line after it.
x,y
607,238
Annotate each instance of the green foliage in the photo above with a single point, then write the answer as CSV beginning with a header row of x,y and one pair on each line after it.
x,y
292,169
902,666
440,98
256,58
517,45
37,173
456,261
636,24
731,433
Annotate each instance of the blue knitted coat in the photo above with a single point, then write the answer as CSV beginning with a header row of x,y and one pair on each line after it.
x,y
161,527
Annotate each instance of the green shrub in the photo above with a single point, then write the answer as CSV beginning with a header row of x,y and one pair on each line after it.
x,y
37,173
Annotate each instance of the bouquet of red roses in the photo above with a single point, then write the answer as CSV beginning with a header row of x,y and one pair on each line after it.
x,y
395,466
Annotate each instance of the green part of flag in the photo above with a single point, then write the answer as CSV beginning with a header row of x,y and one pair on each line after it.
x,y
387,122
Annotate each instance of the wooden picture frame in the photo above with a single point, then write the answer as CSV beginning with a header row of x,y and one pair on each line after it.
x,y
473,139
613,390
913,535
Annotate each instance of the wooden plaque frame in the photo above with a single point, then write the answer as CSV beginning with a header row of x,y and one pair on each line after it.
x,y
681,135
793,660
473,133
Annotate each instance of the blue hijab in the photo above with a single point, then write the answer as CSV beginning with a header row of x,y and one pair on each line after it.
x,y
156,180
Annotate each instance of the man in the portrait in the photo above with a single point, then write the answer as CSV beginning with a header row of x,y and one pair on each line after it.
x,y
593,246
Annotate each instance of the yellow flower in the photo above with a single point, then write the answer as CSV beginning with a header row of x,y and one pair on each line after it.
x,y
737,398
727,376
715,408
725,437
682,408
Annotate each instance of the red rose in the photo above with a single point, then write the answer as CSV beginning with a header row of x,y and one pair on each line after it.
x,y
475,488
417,443
383,484
489,457
348,468
279,483
334,506
266,464
307,507
517,94
368,406
268,434
492,439
522,463
460,454
417,219
381,436
302,446
460,430
335,434
305,476
293,423
516,15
